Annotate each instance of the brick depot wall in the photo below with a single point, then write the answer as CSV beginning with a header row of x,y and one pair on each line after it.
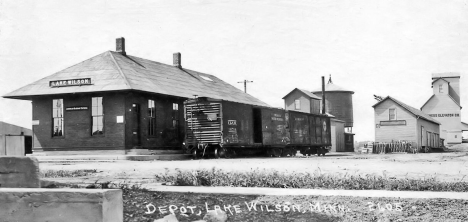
x,y
165,135
77,124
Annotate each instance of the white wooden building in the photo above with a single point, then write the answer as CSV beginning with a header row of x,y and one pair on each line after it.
x,y
397,121
445,107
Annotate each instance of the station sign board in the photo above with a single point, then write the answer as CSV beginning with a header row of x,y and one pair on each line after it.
x,y
445,115
393,123
76,108
70,82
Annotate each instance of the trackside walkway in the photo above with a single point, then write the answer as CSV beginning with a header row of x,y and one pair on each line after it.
x,y
308,192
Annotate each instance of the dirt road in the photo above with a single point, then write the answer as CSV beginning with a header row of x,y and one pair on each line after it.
x,y
449,166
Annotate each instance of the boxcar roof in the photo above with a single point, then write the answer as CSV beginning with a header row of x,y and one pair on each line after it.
x,y
112,71
412,110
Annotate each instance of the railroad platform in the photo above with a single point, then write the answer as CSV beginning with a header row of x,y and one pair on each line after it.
x,y
133,155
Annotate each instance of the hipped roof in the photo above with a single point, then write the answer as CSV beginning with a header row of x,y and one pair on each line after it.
x,y
412,110
112,71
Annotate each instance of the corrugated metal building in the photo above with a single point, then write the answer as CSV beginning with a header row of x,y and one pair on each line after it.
x,y
115,101
396,121
444,106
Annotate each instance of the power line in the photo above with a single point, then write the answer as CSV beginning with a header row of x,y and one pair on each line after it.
x,y
245,84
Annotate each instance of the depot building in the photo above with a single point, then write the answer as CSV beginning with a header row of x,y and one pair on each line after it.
x,y
117,102
445,106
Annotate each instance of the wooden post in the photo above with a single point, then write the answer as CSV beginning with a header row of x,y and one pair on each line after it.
x,y
323,94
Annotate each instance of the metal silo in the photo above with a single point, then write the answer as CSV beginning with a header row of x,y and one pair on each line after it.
x,y
338,102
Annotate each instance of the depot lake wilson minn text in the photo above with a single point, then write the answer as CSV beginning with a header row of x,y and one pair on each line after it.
x,y
249,206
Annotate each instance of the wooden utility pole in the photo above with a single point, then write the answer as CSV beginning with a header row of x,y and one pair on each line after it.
x,y
323,94
245,84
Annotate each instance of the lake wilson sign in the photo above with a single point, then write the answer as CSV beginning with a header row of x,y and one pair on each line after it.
x,y
70,82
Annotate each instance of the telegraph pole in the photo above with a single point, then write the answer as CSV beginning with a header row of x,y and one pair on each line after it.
x,y
245,84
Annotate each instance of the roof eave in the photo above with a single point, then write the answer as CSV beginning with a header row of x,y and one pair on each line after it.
x,y
427,102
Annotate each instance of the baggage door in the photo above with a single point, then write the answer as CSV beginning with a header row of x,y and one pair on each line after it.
x,y
257,128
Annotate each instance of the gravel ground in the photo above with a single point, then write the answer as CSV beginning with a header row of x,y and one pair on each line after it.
x,y
448,166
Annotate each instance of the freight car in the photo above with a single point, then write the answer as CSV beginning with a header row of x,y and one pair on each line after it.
x,y
222,128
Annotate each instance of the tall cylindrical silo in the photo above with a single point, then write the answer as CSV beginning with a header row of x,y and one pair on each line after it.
x,y
338,102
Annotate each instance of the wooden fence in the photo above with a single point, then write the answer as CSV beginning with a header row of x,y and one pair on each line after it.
x,y
394,147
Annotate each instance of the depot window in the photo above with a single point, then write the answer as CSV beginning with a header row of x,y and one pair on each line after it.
x,y
151,118
392,114
297,104
57,117
97,114
175,116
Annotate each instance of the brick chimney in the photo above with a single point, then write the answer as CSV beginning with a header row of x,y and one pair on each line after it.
x,y
120,45
177,62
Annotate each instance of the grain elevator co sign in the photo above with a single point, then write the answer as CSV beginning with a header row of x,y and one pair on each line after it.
x,y
70,82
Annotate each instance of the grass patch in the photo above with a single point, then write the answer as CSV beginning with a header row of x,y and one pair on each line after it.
x,y
275,179
66,173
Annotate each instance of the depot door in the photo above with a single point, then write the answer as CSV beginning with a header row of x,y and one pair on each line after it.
x,y
135,125
423,137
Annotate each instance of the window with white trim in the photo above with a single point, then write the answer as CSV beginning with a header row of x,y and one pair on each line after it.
x,y
57,117
297,104
392,114
97,116
151,118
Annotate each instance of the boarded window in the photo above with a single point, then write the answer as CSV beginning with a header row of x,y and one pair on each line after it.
x,y
151,118
392,114
57,117
441,88
97,114
297,104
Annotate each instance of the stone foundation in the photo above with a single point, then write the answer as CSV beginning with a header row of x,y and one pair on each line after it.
x,y
58,205
19,172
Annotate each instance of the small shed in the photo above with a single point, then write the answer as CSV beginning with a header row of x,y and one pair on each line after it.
x,y
397,121
337,135
14,140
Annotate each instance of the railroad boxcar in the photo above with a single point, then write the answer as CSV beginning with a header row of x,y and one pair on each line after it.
x,y
225,129
310,133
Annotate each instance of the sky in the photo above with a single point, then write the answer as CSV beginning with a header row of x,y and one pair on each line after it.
x,y
367,46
